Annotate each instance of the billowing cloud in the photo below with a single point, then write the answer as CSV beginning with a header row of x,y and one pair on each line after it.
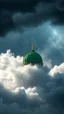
x,y
29,89
17,89
57,69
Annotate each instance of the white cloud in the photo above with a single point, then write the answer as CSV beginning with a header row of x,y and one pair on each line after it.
x,y
57,69
13,73
9,65
28,89
15,77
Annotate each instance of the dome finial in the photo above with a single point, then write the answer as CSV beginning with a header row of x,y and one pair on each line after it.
x,y
32,47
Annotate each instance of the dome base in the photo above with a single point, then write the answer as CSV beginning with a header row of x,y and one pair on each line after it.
x,y
41,64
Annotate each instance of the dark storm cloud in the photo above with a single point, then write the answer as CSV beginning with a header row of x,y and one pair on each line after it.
x,y
29,13
11,19
32,19
6,23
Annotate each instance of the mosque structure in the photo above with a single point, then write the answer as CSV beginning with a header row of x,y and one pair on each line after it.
x,y
32,58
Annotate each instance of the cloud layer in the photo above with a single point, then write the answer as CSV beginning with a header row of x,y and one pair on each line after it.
x,y
29,89
16,90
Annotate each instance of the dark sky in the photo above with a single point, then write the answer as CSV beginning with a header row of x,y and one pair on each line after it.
x,y
33,12
35,90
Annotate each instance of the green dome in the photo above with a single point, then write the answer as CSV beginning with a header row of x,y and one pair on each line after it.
x,y
33,58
